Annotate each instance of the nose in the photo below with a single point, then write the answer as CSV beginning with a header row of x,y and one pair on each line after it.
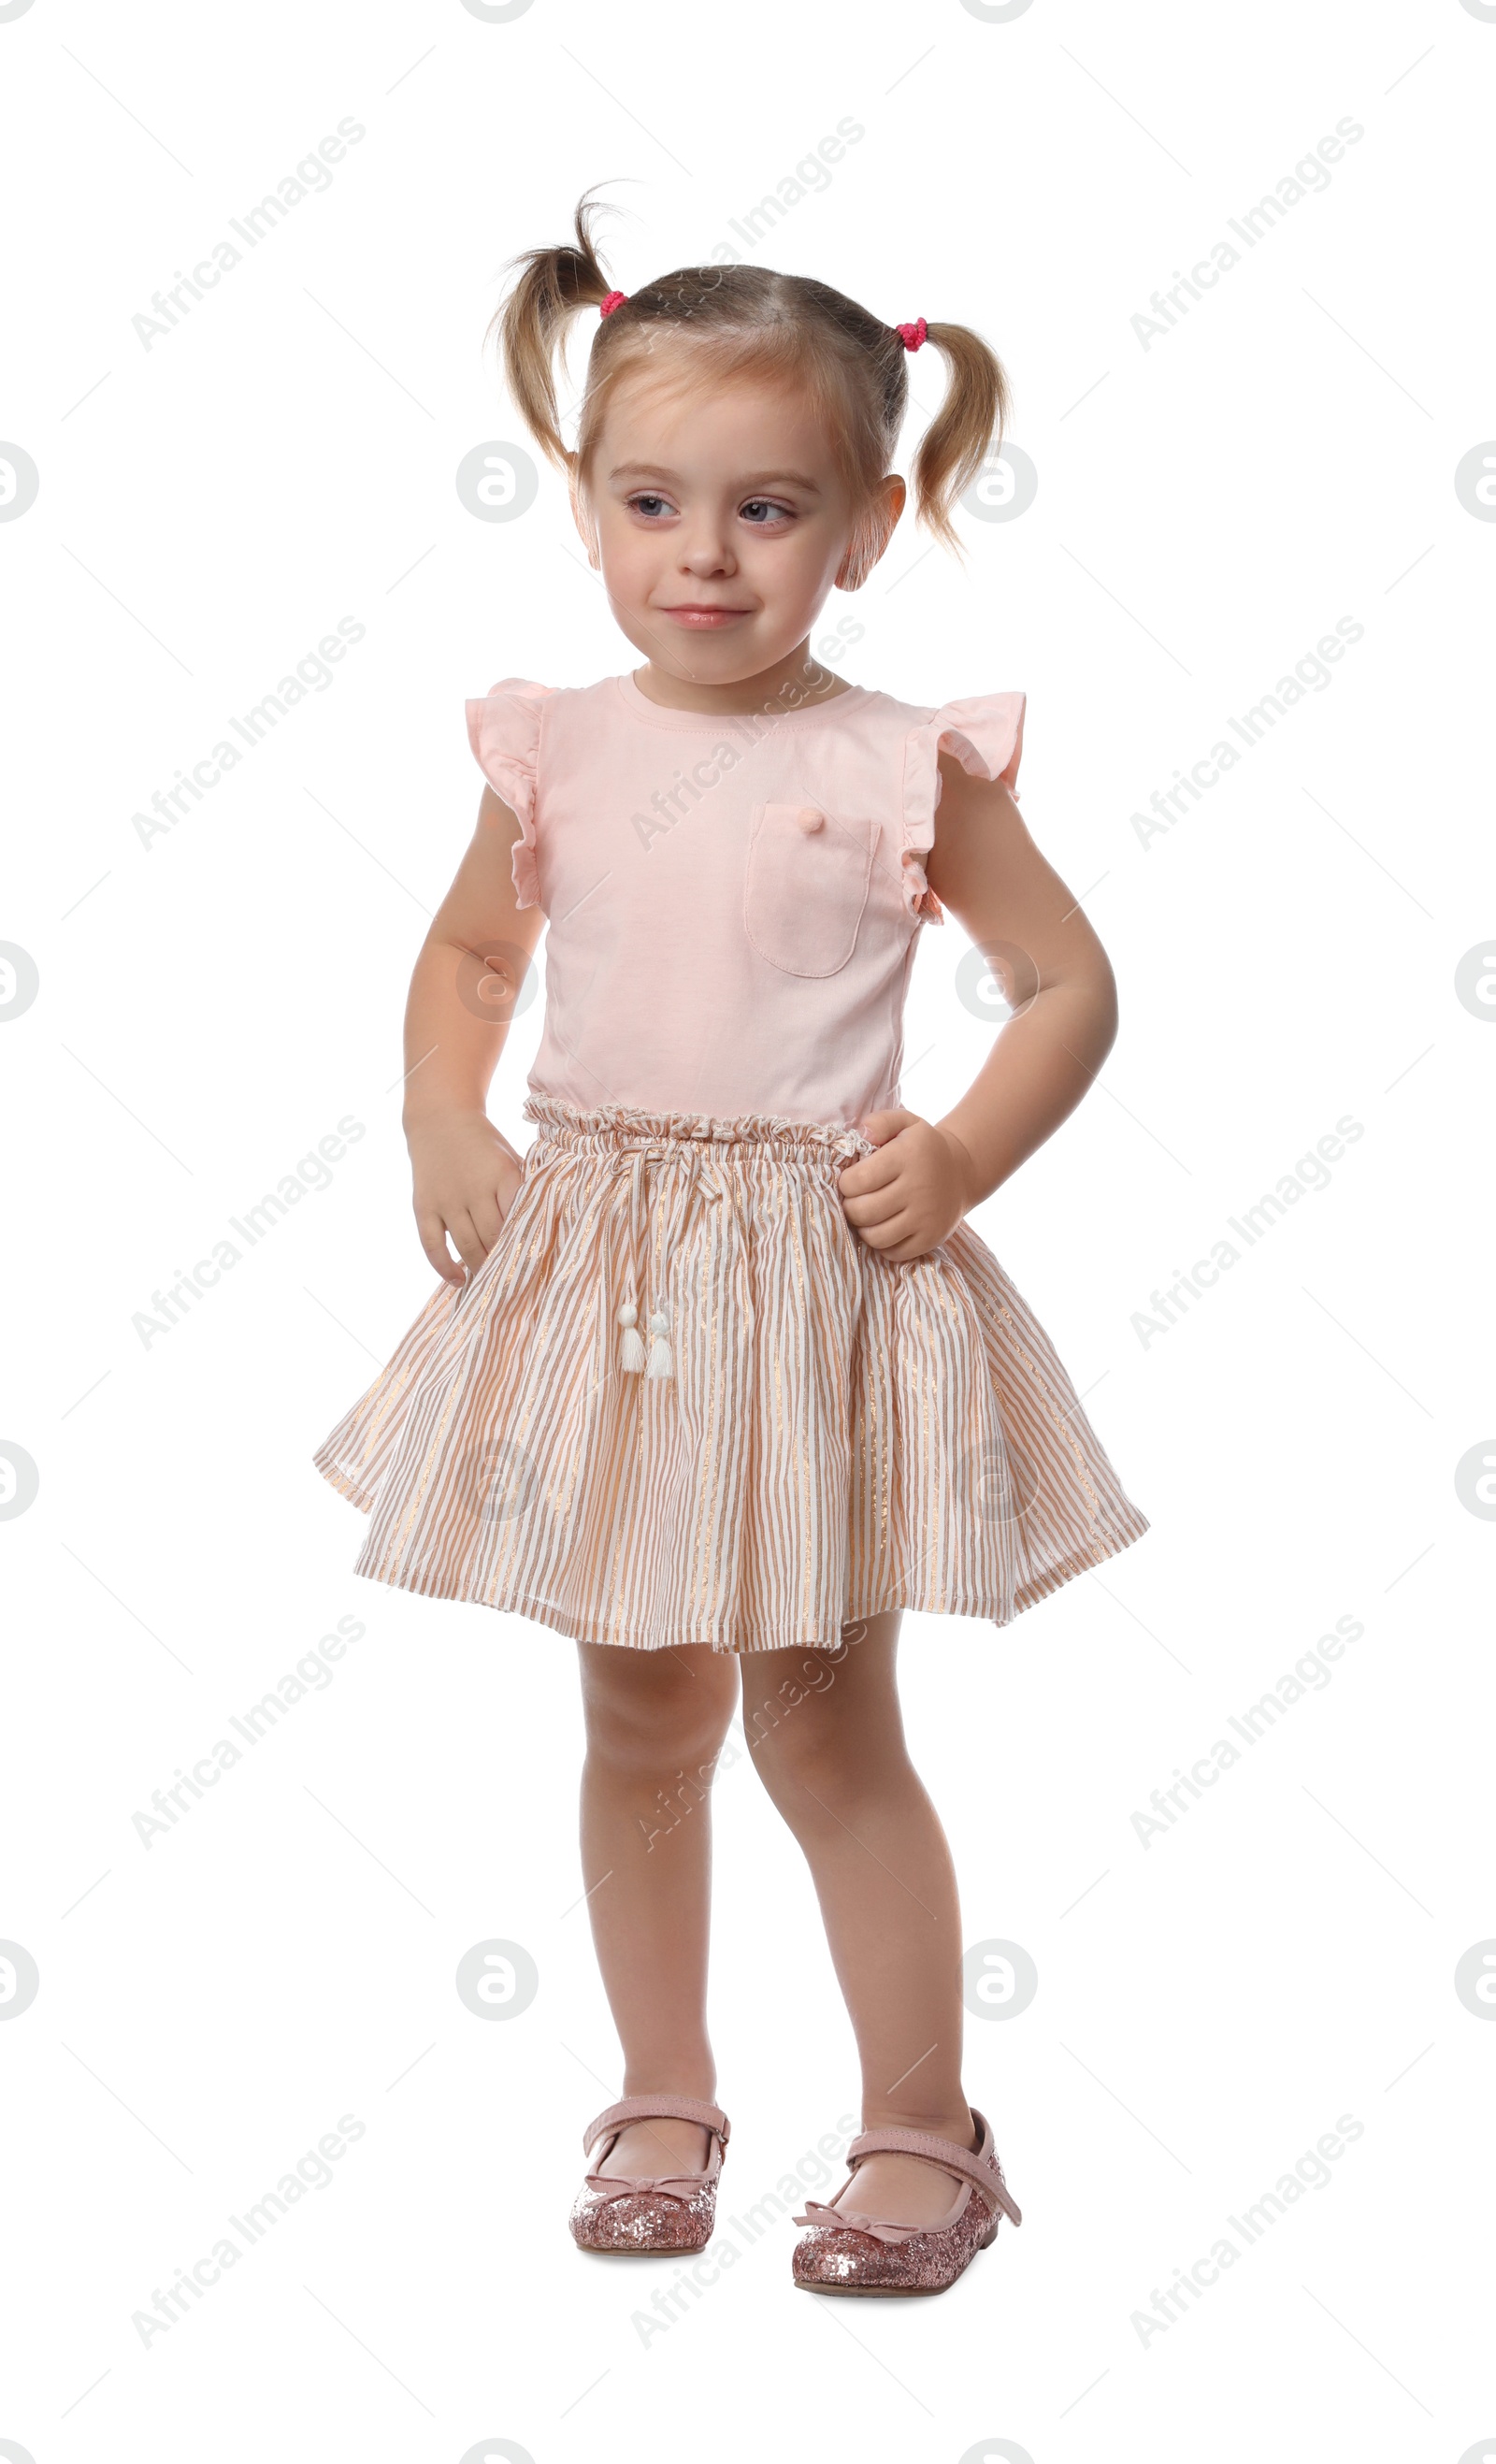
x,y
704,549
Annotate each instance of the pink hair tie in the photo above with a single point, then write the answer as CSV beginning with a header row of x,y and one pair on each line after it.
x,y
612,302
912,336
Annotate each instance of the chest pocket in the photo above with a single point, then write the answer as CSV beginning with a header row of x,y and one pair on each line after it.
x,y
806,885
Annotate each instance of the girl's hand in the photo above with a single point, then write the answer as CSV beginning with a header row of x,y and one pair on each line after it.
x,y
909,1197
464,1177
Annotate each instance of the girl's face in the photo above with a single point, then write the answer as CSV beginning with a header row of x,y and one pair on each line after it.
x,y
722,524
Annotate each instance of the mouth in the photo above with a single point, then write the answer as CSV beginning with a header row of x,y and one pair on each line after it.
x,y
705,617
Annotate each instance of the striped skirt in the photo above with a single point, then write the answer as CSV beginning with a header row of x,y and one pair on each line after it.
x,y
682,1402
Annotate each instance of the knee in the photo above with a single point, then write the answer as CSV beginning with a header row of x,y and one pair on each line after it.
x,y
815,1756
645,1712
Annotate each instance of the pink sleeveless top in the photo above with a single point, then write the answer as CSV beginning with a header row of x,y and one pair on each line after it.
x,y
733,903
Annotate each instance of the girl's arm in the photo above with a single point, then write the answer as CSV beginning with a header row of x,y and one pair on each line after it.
x,y
986,871
467,979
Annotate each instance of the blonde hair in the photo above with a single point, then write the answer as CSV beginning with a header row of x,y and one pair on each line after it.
x,y
845,363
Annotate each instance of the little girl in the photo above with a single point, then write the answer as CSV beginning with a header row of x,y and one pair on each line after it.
x,y
724,1380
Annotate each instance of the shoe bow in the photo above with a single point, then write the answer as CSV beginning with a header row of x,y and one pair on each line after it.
x,y
849,2220
618,2186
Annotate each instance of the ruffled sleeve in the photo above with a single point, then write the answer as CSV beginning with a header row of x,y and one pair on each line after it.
x,y
504,732
986,734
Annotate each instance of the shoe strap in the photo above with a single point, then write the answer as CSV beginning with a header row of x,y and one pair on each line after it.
x,y
615,2117
964,2161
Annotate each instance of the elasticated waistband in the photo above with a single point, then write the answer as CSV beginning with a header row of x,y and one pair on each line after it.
x,y
627,1125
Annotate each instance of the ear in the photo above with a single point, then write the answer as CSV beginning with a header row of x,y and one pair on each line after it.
x,y
872,534
581,515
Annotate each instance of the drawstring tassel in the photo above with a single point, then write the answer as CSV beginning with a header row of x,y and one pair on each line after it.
x,y
659,1349
632,1349
632,1346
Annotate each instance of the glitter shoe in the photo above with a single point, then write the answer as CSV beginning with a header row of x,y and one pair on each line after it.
x,y
662,2213
845,2252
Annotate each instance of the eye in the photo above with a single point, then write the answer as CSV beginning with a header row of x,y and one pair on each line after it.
x,y
644,502
771,508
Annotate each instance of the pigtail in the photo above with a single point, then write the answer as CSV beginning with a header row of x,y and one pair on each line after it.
x,y
553,284
970,424
746,319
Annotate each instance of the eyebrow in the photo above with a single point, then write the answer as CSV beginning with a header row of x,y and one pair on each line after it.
x,y
755,478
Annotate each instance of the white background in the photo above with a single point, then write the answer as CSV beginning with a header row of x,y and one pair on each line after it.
x,y
210,1006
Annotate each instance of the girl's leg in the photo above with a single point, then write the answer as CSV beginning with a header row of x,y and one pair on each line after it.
x,y
655,1723
825,1729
